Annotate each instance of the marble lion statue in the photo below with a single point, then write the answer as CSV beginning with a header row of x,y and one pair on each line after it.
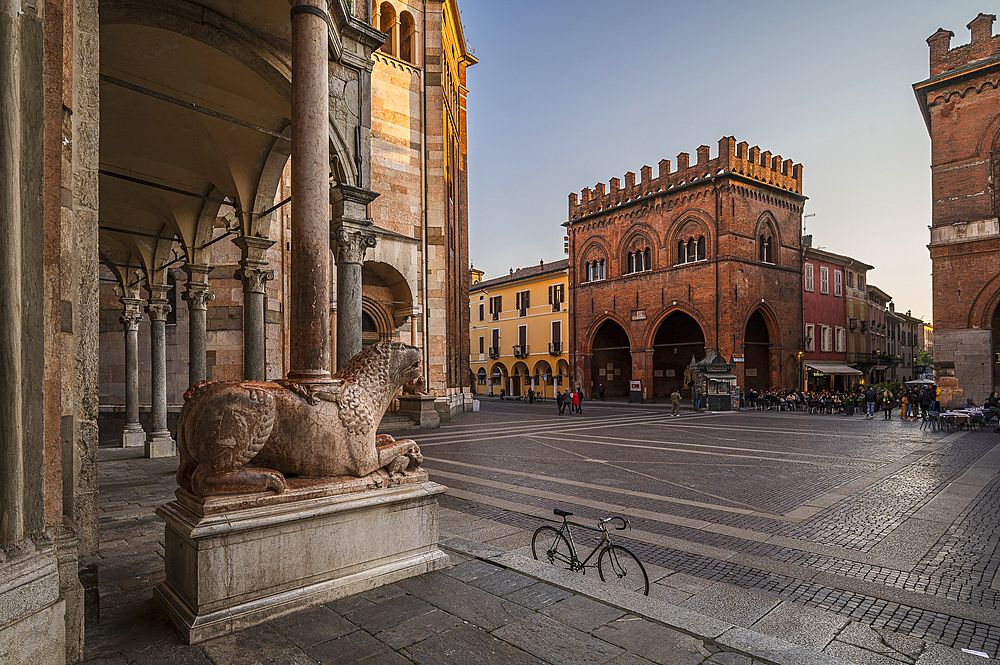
x,y
285,428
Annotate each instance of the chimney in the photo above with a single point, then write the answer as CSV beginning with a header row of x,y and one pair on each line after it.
x,y
646,173
629,180
982,28
940,43
683,161
703,155
664,167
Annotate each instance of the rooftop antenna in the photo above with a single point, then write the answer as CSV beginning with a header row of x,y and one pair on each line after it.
x,y
812,214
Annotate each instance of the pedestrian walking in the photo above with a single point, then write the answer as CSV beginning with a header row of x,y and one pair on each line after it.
x,y
926,399
600,390
904,407
870,396
887,400
560,402
577,399
675,403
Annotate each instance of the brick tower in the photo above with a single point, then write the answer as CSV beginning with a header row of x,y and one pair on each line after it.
x,y
961,106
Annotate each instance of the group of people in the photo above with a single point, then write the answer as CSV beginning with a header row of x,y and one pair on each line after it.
x,y
572,400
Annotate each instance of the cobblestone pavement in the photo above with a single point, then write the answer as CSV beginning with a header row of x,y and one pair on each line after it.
x,y
735,516
876,521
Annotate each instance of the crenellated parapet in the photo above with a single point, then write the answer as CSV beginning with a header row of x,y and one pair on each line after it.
x,y
733,158
983,45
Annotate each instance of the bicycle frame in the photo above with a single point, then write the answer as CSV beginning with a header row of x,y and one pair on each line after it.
x,y
574,562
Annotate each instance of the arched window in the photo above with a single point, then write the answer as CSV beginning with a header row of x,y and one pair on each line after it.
x,y
631,262
761,249
692,251
647,263
766,255
590,272
602,276
681,252
701,248
407,37
387,24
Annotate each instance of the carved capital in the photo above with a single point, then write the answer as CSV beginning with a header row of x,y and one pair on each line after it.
x,y
254,279
198,298
158,309
131,313
351,246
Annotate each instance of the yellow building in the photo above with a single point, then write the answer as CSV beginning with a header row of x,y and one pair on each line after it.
x,y
519,330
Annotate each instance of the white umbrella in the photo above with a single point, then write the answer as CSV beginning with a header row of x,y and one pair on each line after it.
x,y
920,382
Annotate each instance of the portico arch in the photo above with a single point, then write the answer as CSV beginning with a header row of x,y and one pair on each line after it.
x,y
677,339
757,342
611,359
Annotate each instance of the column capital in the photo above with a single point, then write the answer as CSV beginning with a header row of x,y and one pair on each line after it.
x,y
350,204
197,298
254,278
158,292
351,245
158,309
131,313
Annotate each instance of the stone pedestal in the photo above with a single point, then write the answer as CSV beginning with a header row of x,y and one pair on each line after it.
x,y
231,569
32,615
420,409
133,436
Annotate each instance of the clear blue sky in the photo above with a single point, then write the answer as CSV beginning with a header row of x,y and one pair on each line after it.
x,y
568,94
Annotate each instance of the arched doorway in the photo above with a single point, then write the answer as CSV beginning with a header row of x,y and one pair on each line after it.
x,y
678,338
757,353
611,360
543,379
498,378
562,375
518,377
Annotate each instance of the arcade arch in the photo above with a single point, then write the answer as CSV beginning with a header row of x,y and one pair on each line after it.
x,y
678,338
757,353
611,359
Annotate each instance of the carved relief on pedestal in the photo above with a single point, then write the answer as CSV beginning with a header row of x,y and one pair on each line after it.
x,y
309,431
351,246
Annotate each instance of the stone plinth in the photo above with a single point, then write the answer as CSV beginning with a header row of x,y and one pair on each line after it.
x,y
420,409
32,615
132,436
278,554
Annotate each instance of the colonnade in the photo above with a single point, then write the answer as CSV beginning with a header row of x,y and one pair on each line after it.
x,y
313,235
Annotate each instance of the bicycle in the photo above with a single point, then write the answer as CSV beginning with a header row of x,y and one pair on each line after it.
x,y
614,561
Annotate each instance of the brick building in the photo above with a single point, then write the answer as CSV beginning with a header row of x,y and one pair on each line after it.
x,y
707,256
961,107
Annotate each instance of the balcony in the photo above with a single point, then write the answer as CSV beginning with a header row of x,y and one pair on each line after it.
x,y
555,348
494,352
521,350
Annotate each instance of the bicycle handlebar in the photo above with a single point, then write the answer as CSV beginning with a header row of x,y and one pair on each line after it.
x,y
625,522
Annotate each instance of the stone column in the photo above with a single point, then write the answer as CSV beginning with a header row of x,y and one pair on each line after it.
x,y
159,443
309,299
254,274
349,238
132,434
197,297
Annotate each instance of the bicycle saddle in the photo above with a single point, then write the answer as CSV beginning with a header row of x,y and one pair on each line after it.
x,y
562,513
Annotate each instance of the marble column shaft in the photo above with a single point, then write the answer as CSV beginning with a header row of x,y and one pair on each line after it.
x,y
350,246
197,297
11,429
254,339
309,300
158,307
132,433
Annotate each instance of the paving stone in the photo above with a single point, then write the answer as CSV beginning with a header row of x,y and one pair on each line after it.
x,y
467,645
729,658
653,641
938,655
313,626
861,656
466,602
381,593
261,645
801,625
502,582
555,642
888,643
418,628
378,617
356,647
628,659
582,613
741,607
538,595
472,569
156,654
106,660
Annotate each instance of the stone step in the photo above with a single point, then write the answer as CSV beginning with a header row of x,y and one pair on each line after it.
x,y
394,422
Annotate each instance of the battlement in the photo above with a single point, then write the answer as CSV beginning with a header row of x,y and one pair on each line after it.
x,y
983,45
733,158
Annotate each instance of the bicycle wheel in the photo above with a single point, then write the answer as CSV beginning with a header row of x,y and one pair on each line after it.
x,y
549,544
617,564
